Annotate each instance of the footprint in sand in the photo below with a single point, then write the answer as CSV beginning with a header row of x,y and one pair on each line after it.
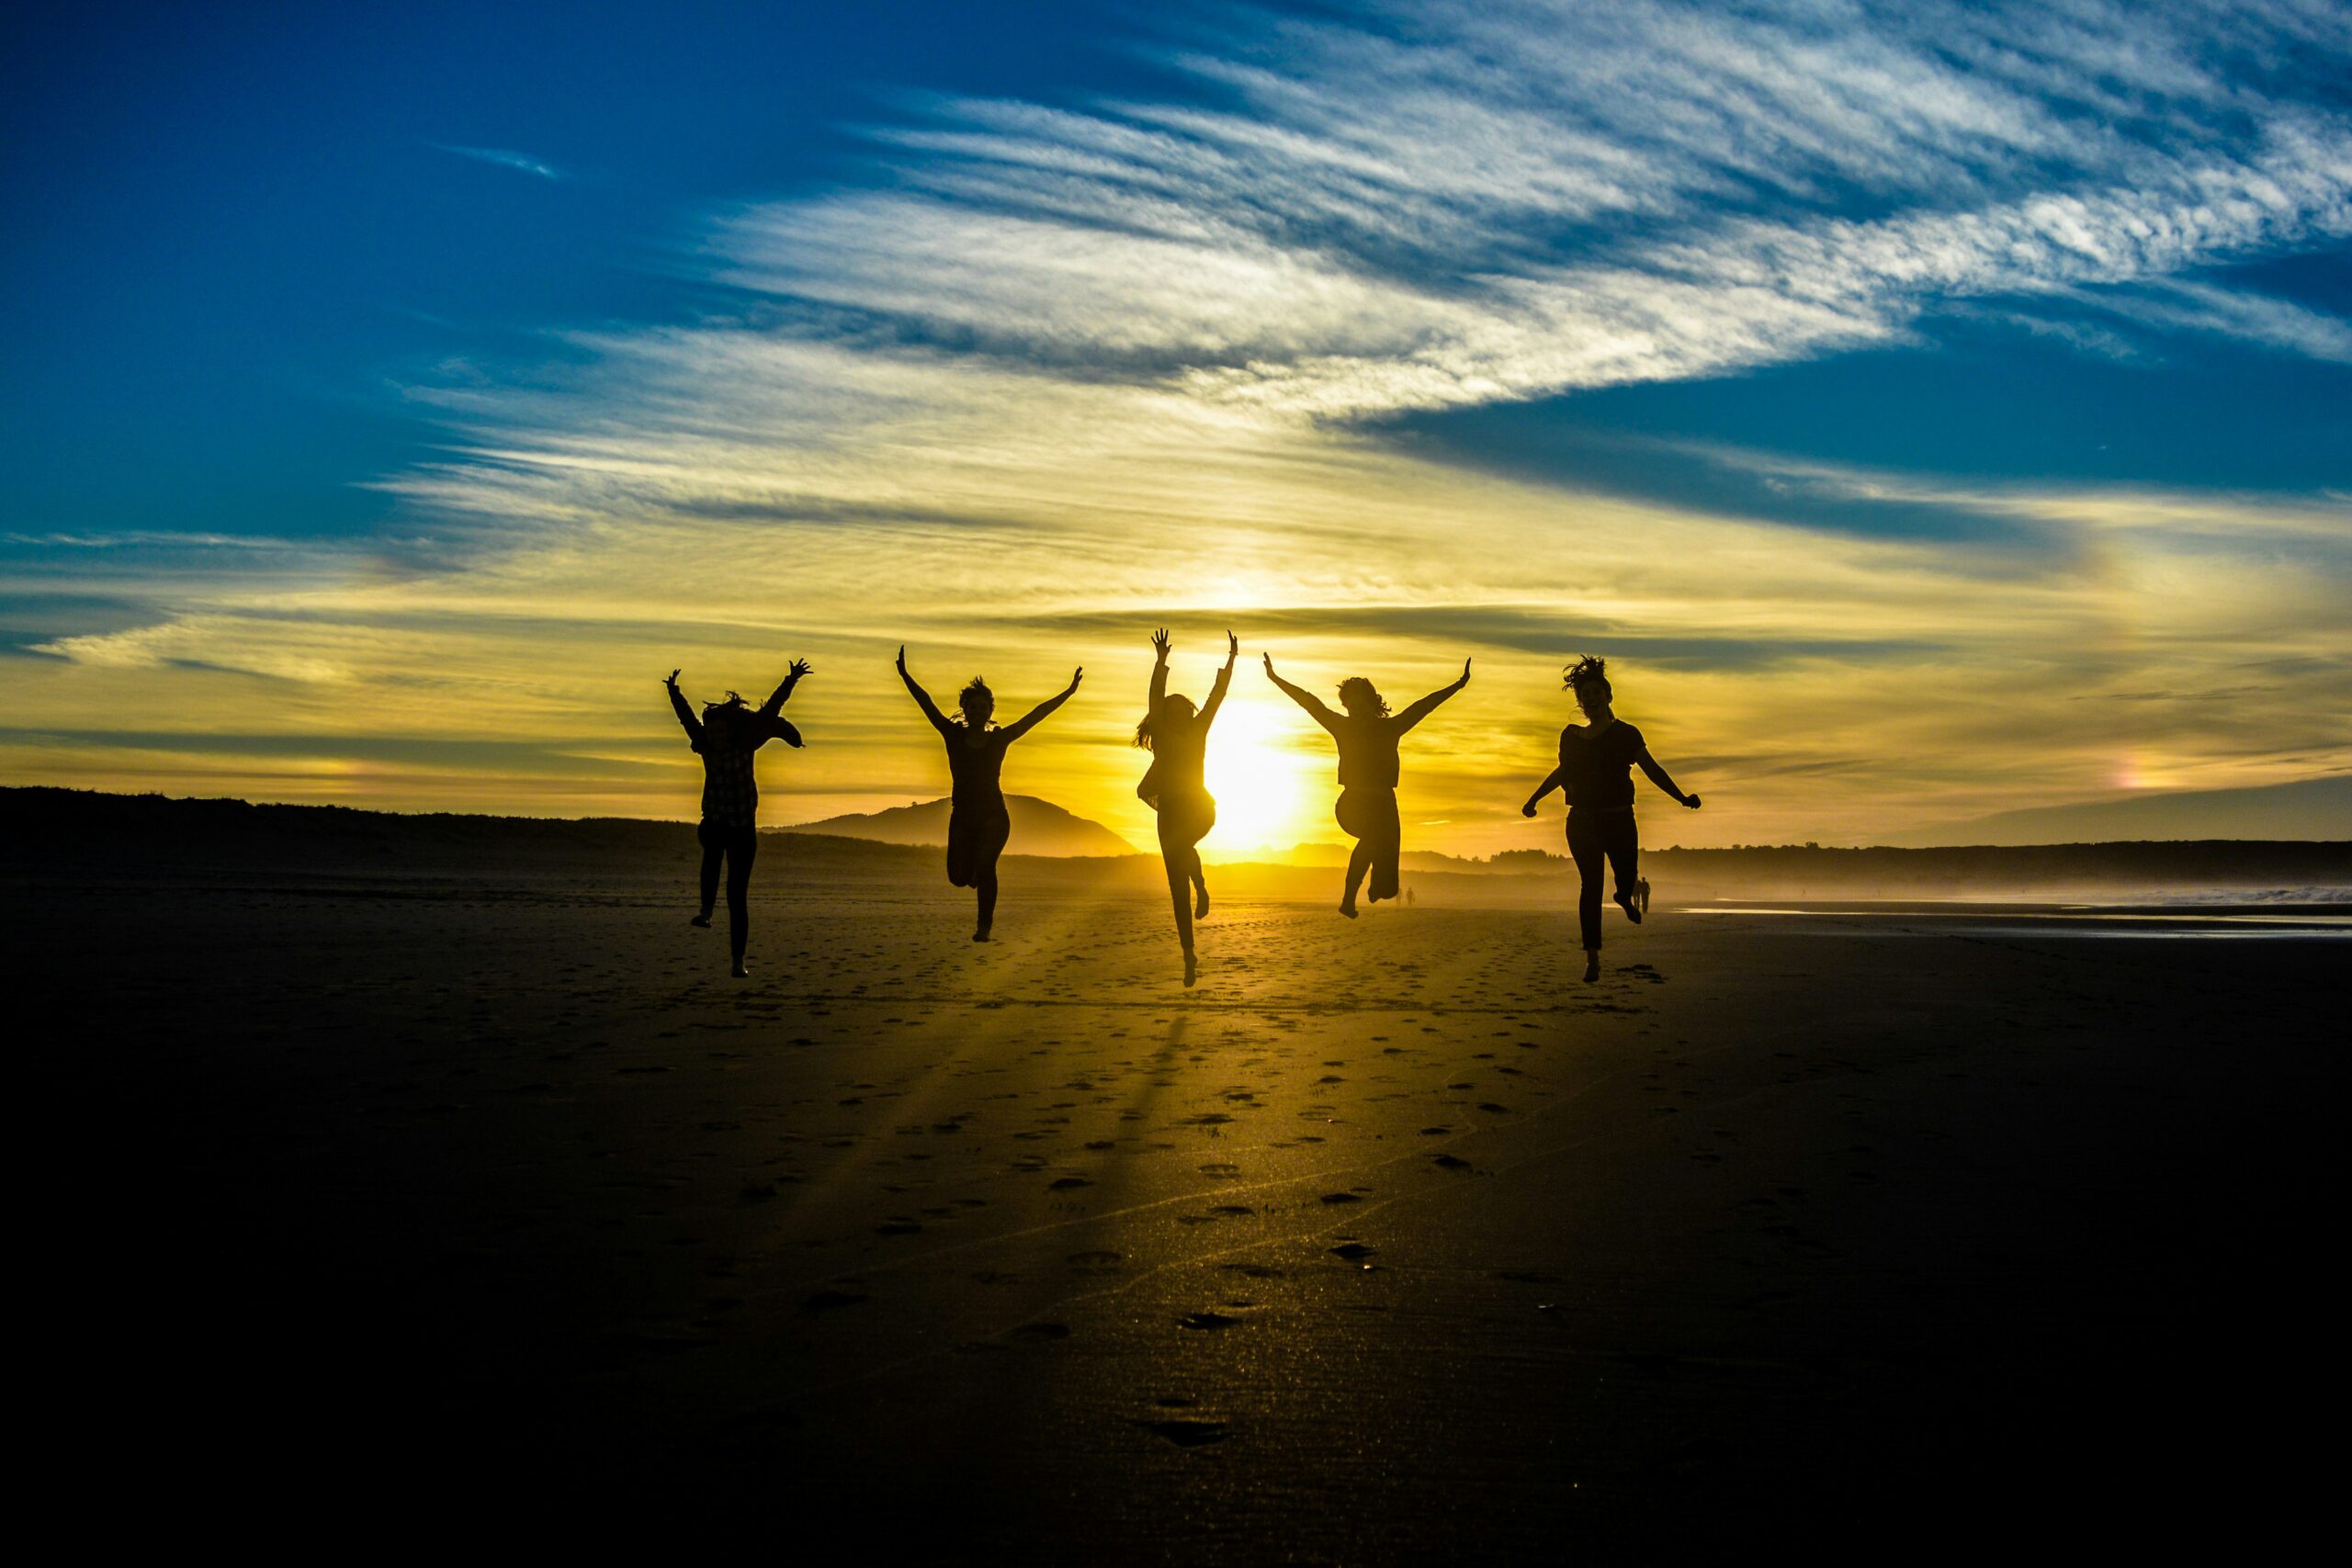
x,y
1448,1162
1353,1251
1219,1168
1207,1322
1067,1183
1342,1198
1188,1434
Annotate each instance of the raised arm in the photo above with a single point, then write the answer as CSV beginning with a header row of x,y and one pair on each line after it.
x,y
1036,715
922,698
684,709
1158,671
1648,764
1223,679
777,698
1429,705
1304,698
1552,781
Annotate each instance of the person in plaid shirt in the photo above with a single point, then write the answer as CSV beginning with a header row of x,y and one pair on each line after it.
x,y
726,736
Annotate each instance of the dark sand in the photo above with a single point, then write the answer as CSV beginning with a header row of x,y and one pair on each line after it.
x,y
1392,1241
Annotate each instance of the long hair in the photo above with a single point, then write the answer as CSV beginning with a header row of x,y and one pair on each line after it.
x,y
974,688
1588,674
1147,729
1355,691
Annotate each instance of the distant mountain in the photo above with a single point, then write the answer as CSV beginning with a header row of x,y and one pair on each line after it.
x,y
1039,827
2310,810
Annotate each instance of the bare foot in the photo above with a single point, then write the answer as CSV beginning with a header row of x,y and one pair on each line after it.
x,y
980,935
741,973
1591,967
1625,902
1200,900
702,920
1349,909
1191,968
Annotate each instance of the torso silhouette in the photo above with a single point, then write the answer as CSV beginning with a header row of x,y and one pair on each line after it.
x,y
1367,745
1597,769
976,763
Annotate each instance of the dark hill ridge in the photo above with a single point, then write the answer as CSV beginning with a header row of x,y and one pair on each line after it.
x,y
1039,827
84,834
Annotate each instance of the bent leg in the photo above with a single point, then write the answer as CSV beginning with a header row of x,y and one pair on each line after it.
x,y
1350,816
1385,841
1624,843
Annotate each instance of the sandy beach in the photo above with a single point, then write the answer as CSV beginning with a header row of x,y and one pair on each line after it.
x,y
1390,1241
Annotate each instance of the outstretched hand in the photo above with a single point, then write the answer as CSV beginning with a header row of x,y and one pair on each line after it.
x,y
1691,801
1465,674
1159,643
1232,649
1269,666
902,659
671,680
1075,675
799,667
1528,809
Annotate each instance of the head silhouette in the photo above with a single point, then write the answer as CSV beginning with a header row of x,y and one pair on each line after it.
x,y
1361,699
1589,679
1175,711
978,703
720,720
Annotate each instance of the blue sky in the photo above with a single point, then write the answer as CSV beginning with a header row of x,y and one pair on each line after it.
x,y
1834,353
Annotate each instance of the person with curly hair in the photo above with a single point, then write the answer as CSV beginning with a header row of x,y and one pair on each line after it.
x,y
1367,734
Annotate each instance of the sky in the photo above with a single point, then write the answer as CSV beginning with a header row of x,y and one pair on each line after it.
x,y
1929,410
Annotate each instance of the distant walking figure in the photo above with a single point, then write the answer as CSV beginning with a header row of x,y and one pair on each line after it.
x,y
1596,760
726,736
978,822
1173,786
1367,736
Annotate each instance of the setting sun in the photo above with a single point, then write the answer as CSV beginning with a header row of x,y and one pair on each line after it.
x,y
1268,793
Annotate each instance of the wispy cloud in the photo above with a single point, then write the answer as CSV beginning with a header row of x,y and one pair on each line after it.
x,y
521,163
1054,369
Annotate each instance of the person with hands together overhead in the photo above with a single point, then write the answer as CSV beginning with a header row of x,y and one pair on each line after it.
x,y
1366,735
1595,771
725,735
978,822
1174,787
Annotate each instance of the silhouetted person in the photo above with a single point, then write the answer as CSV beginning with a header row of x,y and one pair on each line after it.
x,y
978,822
1596,762
726,736
1178,739
1367,736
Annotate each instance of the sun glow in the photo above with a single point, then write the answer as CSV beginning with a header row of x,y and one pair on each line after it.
x,y
1266,789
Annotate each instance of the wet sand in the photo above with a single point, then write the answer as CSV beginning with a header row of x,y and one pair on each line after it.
x,y
1390,1241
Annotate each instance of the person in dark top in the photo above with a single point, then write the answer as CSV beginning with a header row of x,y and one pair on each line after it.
x,y
1367,734
725,736
1178,739
978,822
1596,762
